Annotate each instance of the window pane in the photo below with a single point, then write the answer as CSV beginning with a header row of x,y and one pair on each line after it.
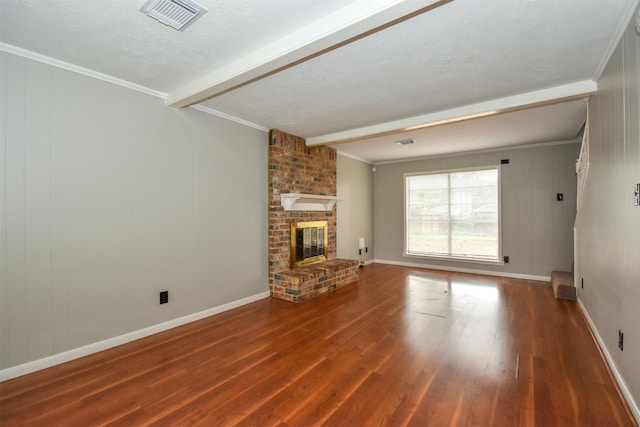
x,y
474,239
481,178
461,221
428,237
420,182
461,211
470,203
428,198
429,213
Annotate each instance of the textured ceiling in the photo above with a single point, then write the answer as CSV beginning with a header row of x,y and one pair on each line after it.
x,y
115,38
464,52
562,123
460,58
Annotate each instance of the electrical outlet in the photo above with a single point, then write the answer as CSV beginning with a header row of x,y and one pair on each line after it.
x,y
559,197
366,250
620,340
164,297
582,283
506,259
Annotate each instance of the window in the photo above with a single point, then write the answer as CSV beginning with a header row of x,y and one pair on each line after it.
x,y
454,214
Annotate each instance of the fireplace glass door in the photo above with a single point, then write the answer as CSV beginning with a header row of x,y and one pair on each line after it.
x,y
308,243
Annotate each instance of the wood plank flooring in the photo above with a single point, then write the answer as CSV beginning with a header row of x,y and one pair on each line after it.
x,y
402,347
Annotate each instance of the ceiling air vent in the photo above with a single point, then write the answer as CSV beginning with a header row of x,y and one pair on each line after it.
x,y
178,14
405,142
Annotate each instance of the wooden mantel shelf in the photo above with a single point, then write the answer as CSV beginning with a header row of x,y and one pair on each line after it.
x,y
307,202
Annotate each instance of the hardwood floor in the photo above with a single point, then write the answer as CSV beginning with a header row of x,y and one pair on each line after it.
x,y
403,346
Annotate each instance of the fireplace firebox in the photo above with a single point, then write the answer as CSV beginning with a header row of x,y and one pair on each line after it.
x,y
309,243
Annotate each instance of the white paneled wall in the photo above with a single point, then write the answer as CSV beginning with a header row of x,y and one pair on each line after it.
x,y
608,223
109,197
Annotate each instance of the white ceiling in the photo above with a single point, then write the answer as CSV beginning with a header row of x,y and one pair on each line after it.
x,y
340,70
549,124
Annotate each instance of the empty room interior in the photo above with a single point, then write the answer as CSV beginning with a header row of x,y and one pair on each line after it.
x,y
338,212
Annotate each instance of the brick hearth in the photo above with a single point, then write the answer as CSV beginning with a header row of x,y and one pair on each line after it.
x,y
307,282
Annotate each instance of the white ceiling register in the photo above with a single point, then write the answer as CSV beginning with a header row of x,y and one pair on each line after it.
x,y
307,202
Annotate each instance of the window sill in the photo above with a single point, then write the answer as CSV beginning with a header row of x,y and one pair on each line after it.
x,y
452,259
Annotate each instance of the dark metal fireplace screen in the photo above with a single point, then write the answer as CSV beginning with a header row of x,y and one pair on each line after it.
x,y
308,243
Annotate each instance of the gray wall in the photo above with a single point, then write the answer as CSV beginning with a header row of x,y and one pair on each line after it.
x,y
108,197
537,230
608,223
355,211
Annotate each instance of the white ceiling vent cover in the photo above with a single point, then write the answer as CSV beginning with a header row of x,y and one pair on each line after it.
x,y
178,14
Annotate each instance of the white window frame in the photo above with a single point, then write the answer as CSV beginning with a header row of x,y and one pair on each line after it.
x,y
406,253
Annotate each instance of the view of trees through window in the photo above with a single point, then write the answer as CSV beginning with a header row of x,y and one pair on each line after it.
x,y
453,214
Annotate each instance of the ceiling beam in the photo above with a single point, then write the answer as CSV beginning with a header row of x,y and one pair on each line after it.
x,y
355,21
553,95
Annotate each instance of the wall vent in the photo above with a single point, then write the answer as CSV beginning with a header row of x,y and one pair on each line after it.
x,y
178,14
405,141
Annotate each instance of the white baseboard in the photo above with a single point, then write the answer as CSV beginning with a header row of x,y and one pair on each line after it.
x,y
367,262
614,370
467,270
56,359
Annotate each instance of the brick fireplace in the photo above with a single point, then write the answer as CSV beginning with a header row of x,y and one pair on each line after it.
x,y
296,168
